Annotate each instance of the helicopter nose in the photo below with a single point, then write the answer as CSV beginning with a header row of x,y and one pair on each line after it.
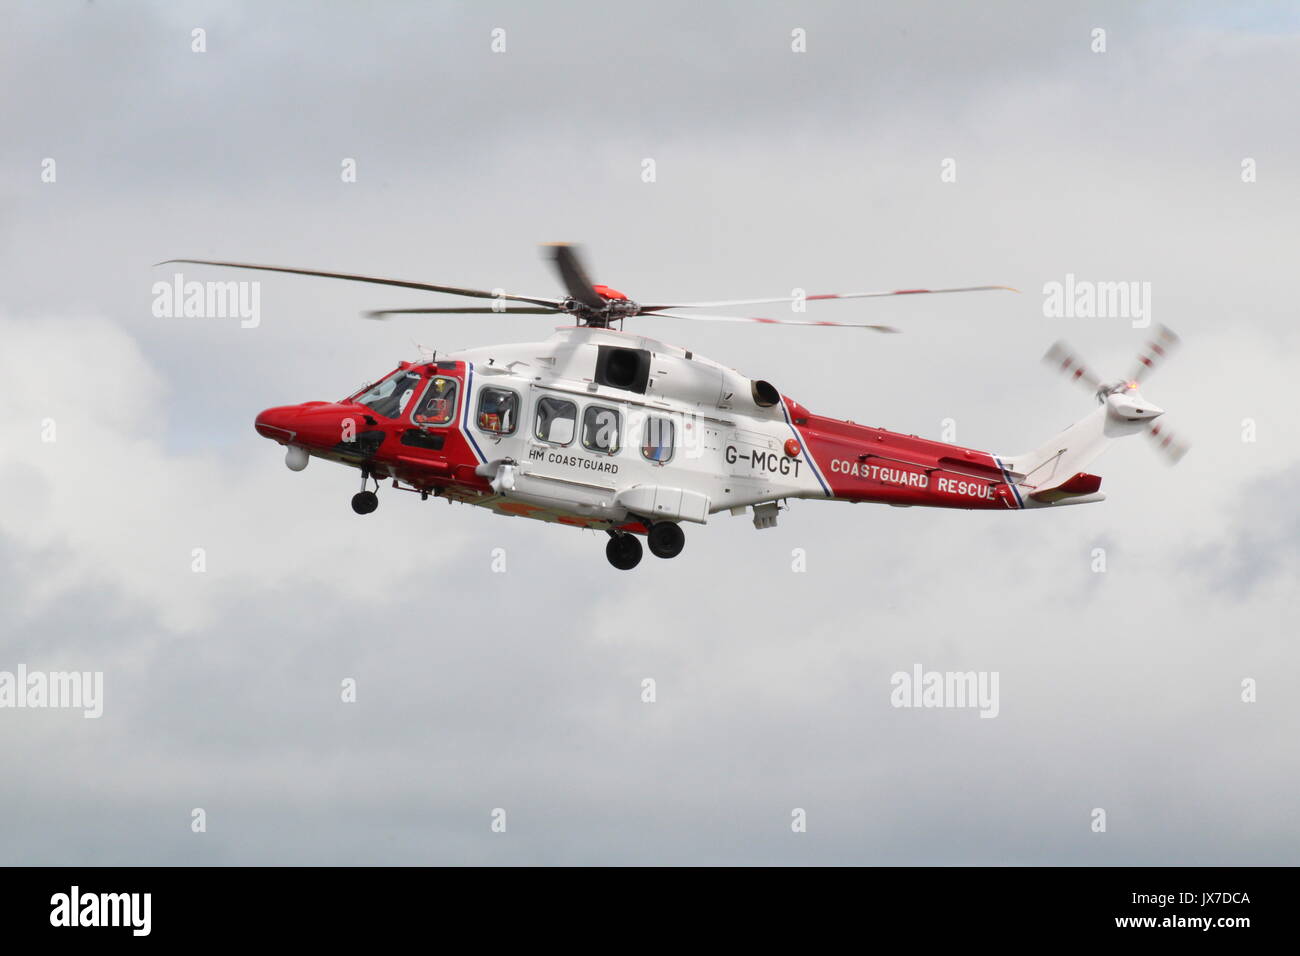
x,y
278,423
314,424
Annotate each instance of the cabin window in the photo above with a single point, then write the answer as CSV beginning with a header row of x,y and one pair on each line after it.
x,y
498,411
600,429
556,419
657,442
438,404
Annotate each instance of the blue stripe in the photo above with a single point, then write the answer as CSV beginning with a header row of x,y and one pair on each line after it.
x,y
1007,478
469,394
807,455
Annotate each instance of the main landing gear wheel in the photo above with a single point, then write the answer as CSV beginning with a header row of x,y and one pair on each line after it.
x,y
666,539
623,551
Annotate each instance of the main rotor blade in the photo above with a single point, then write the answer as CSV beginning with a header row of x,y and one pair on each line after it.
x,y
832,295
574,275
1156,351
380,313
740,318
400,283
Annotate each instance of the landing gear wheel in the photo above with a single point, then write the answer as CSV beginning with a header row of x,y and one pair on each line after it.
x,y
666,539
364,502
623,551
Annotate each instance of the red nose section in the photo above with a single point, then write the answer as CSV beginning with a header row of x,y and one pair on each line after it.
x,y
278,423
312,423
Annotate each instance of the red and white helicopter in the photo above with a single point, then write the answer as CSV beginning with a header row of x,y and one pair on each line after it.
x,y
605,429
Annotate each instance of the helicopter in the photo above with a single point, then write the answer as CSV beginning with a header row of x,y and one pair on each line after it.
x,y
604,429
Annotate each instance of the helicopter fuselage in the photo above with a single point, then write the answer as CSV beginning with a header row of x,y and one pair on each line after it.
x,y
608,430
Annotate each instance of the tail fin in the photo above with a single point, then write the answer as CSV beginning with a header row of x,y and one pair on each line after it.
x,y
1054,473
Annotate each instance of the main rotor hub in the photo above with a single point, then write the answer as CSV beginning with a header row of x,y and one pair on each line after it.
x,y
614,310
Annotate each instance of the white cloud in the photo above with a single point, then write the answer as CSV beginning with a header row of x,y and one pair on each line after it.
x,y
108,503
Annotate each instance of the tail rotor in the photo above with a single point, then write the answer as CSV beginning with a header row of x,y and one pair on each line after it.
x,y
1155,353
1070,365
1167,443
1126,407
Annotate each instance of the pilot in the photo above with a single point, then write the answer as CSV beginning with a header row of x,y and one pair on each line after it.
x,y
436,406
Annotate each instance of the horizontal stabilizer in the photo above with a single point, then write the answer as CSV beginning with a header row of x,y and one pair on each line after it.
x,y
1078,484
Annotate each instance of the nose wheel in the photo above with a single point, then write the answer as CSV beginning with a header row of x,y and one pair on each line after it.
x,y
623,551
364,502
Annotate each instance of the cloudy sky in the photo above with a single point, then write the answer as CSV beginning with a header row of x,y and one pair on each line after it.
x,y
521,690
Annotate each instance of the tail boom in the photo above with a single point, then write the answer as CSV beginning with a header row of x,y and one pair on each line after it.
x,y
859,463
863,464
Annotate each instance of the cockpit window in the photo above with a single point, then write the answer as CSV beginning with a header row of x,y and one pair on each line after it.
x,y
390,396
438,404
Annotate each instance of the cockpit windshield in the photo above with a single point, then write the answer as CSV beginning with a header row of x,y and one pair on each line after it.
x,y
390,396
